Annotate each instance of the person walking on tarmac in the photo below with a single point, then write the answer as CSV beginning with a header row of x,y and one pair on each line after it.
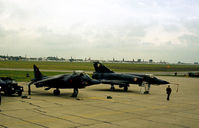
x,y
168,90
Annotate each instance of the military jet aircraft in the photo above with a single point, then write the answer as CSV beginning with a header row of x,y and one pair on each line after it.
x,y
193,74
76,80
106,76
10,86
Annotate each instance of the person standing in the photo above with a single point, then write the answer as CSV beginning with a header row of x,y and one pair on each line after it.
x,y
168,90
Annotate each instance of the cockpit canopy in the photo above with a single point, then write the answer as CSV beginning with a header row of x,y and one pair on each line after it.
x,y
151,76
81,73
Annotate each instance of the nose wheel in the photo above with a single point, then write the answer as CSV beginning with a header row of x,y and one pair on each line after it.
x,y
56,92
146,87
125,88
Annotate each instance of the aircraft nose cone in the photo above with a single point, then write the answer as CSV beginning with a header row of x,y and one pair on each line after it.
x,y
164,82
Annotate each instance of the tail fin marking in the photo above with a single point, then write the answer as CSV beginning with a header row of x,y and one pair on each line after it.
x,y
99,67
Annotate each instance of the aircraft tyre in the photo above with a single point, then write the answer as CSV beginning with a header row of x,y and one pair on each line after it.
x,y
56,92
112,88
125,88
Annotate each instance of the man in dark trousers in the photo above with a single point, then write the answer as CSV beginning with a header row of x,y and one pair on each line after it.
x,y
168,90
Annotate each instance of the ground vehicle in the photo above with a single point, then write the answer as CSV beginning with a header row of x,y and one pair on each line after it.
x,y
10,86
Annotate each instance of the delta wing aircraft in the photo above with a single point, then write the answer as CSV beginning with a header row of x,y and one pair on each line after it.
x,y
106,76
75,80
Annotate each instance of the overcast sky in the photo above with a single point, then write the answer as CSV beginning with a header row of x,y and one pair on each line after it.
x,y
101,29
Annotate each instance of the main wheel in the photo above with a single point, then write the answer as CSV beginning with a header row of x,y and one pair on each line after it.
x,y
125,88
75,93
56,92
112,88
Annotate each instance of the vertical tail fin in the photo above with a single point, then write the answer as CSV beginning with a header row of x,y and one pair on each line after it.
x,y
37,73
99,67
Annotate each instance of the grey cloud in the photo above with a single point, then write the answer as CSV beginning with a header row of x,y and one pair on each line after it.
x,y
172,27
147,44
1,7
62,41
106,35
120,36
189,39
2,32
192,25
12,11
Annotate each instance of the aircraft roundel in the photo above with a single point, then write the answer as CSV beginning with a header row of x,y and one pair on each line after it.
x,y
135,79
98,65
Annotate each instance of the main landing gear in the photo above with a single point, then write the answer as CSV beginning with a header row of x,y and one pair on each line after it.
x,y
112,87
125,88
75,92
56,92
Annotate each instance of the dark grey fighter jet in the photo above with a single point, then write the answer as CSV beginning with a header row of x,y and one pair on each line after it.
x,y
75,81
106,76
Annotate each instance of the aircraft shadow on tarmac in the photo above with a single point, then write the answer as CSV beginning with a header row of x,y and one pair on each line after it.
x,y
117,91
3,95
62,95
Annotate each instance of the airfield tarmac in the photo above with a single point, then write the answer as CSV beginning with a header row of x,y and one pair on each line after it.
x,y
92,109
